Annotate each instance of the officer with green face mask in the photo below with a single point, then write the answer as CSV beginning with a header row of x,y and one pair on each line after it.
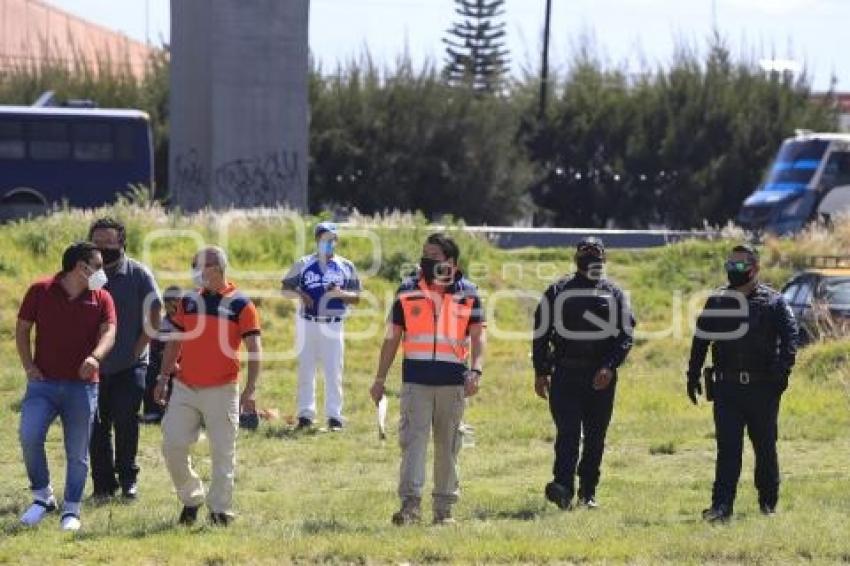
x,y
753,337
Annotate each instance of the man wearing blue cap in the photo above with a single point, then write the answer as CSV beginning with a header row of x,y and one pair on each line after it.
x,y
326,284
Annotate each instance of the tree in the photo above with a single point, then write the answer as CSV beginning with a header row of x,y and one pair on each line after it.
x,y
404,139
675,147
475,48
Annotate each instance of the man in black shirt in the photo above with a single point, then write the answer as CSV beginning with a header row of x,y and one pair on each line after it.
x,y
582,333
753,337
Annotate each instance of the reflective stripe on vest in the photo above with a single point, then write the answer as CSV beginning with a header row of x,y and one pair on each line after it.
x,y
440,338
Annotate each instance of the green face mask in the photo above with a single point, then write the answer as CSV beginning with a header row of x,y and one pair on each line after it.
x,y
739,272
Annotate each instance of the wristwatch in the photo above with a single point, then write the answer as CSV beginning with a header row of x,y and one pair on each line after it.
x,y
478,371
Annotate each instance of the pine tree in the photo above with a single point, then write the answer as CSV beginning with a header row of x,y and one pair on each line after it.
x,y
475,48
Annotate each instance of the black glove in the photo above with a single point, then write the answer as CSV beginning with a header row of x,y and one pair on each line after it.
x,y
782,384
694,390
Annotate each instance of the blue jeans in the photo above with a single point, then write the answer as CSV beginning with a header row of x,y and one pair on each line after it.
x,y
75,403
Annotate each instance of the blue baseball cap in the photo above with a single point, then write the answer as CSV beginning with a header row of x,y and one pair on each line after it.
x,y
323,227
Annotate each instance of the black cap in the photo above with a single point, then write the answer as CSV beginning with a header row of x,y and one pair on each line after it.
x,y
591,244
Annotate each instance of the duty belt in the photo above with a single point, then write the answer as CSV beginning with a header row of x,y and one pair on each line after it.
x,y
742,376
578,363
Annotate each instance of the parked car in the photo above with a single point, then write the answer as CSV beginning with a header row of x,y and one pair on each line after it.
x,y
819,295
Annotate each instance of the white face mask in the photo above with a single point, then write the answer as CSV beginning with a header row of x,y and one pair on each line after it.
x,y
97,280
198,278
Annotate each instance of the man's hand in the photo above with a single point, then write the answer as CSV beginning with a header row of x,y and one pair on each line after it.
x,y
88,368
247,401
33,373
694,390
602,379
160,392
306,300
377,390
471,383
542,383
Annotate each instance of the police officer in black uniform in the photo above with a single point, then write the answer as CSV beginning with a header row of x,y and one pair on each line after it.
x,y
753,338
583,332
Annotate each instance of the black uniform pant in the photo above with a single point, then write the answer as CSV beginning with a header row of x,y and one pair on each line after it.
x,y
118,407
579,409
149,405
756,407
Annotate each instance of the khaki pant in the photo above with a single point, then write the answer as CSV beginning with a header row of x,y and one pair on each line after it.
x,y
424,407
217,408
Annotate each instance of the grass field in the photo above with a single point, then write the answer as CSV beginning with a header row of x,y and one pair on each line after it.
x,y
329,497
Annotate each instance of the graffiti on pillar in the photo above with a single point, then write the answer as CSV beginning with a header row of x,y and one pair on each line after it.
x,y
262,180
189,178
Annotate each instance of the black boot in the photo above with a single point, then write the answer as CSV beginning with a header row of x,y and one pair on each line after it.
x,y
717,513
559,495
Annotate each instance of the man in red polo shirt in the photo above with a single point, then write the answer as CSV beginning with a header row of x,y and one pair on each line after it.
x,y
212,323
75,323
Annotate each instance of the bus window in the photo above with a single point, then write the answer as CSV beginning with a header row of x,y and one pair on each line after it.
x,y
795,164
124,147
48,140
12,140
837,170
92,141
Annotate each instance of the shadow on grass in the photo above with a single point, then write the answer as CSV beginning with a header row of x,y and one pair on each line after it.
x,y
137,531
10,509
12,527
528,512
320,526
154,528
289,433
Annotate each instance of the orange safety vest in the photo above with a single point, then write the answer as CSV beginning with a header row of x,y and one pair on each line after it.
x,y
433,336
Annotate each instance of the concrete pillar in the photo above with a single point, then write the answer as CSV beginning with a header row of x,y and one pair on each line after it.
x,y
239,112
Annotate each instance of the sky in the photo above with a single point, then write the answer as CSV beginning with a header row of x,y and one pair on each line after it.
x,y
625,32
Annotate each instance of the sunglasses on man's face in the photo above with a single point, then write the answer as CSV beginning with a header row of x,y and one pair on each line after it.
x,y
738,265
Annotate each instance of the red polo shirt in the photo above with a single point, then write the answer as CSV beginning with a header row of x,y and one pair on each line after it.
x,y
66,330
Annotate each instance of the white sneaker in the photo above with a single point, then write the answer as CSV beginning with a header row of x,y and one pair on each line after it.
x,y
37,511
70,522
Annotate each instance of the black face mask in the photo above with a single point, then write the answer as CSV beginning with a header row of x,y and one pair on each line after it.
x,y
588,262
432,268
110,255
739,278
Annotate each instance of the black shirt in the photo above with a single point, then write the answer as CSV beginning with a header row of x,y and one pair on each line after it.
x,y
756,333
582,321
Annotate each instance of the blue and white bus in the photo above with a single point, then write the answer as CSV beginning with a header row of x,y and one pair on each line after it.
x,y
808,180
84,157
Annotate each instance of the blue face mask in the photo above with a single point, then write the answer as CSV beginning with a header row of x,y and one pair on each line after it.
x,y
326,248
